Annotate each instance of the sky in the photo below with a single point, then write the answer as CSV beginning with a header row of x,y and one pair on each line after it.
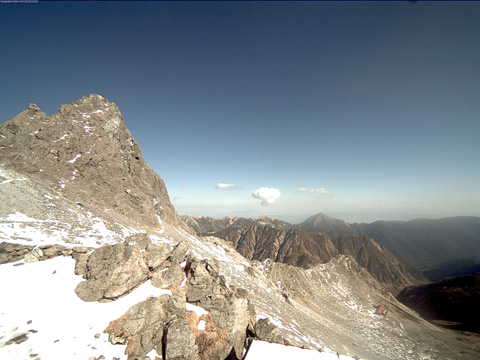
x,y
361,110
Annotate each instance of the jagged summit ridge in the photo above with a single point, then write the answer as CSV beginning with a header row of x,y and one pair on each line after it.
x,y
87,154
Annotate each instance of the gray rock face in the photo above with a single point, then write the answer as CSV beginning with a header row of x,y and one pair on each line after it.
x,y
229,310
113,271
14,252
265,330
168,279
157,254
86,153
141,328
174,275
180,343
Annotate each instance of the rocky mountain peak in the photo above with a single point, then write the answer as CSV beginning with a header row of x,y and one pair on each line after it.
x,y
326,224
33,108
86,153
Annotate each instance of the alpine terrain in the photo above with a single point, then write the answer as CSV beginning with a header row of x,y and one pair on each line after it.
x,y
97,264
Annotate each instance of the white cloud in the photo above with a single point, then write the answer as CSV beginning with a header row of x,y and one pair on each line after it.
x,y
225,186
267,195
185,186
319,190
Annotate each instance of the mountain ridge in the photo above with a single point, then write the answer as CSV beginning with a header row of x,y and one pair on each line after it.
x,y
69,150
300,248
424,244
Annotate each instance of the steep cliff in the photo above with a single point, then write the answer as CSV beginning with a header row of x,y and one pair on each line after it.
x,y
86,153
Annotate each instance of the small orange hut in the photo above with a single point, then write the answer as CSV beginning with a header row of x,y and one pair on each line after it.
x,y
381,310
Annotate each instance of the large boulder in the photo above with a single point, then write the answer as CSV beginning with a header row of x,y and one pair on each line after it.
x,y
141,328
173,275
180,343
113,271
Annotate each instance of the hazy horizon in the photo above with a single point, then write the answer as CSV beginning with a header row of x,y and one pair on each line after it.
x,y
363,111
348,217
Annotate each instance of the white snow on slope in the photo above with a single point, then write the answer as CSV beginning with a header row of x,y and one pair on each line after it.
x,y
261,350
90,230
75,158
196,309
62,325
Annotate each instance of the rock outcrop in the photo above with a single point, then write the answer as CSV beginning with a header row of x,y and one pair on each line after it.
x,y
10,252
163,323
113,271
86,153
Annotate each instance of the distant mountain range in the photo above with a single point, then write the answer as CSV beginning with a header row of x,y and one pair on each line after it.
x,y
425,243
266,237
438,248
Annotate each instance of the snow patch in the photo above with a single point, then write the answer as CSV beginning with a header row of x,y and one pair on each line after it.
x,y
19,217
74,159
48,311
88,129
63,137
260,350
196,309
90,231
153,354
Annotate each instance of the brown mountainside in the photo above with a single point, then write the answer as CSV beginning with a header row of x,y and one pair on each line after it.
x,y
299,248
378,261
86,153
206,225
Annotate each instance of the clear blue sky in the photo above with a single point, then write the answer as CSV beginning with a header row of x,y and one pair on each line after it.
x,y
371,108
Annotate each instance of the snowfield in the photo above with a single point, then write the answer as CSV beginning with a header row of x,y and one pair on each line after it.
x,y
262,350
38,303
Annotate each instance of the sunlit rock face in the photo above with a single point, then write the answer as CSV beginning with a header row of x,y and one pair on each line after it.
x,y
86,153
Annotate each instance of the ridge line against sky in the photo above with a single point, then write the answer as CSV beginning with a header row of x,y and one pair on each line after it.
x,y
363,110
